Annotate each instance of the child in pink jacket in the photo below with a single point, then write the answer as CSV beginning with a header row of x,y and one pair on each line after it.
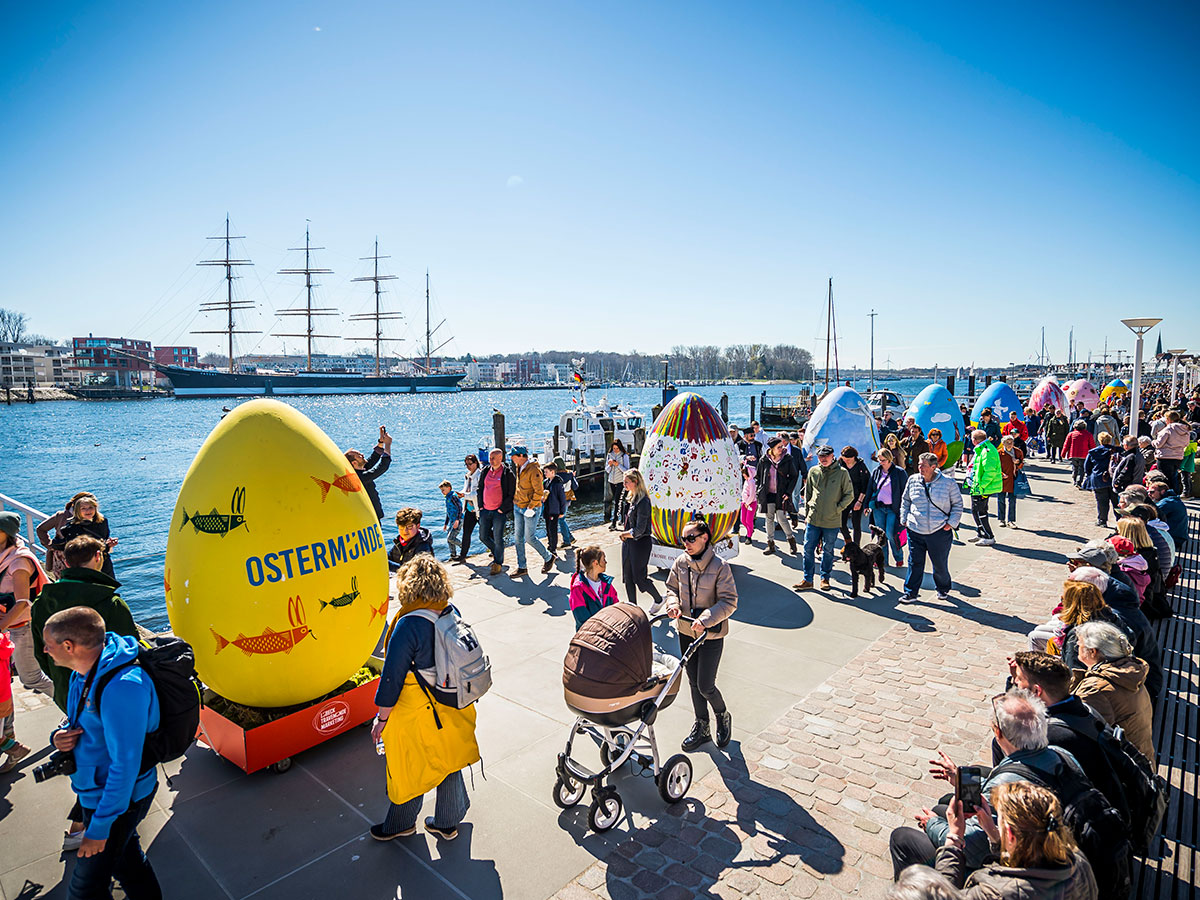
x,y
749,498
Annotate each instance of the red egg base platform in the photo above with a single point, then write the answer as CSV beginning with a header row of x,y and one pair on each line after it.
x,y
275,743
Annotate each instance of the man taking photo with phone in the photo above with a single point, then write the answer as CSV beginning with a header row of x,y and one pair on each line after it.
x,y
100,748
368,468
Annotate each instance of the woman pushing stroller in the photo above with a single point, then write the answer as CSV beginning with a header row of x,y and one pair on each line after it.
x,y
700,586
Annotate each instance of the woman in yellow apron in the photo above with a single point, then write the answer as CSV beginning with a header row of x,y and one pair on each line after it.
x,y
427,743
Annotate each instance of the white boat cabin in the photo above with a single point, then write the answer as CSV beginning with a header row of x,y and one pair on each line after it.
x,y
582,428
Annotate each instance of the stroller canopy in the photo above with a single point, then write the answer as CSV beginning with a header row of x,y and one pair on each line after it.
x,y
611,655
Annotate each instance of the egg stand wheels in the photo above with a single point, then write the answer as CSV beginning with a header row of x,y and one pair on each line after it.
x,y
281,766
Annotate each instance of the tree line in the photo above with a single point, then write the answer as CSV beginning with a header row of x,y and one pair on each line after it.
x,y
706,362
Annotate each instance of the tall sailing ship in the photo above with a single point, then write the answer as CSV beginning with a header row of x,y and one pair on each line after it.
x,y
246,381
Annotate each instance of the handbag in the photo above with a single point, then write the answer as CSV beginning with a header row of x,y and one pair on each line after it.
x,y
1021,486
902,537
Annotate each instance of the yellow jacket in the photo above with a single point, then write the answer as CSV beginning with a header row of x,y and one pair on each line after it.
x,y
531,488
420,755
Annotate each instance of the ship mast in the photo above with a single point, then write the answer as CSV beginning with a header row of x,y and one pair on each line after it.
x,y
429,332
228,305
379,316
309,310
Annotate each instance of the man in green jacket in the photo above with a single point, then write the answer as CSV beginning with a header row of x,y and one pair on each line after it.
x,y
827,491
82,583
986,479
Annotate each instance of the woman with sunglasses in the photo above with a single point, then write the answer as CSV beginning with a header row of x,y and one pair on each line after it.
x,y
469,497
700,586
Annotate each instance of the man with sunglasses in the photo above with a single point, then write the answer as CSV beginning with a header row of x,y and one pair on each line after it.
x,y
930,509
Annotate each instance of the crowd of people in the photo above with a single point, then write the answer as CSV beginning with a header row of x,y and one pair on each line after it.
x,y
1088,681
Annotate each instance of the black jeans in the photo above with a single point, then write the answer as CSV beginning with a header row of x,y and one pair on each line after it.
x,y
613,497
468,526
491,532
1053,450
910,847
702,674
1170,468
852,517
122,858
1103,501
979,510
552,532
635,562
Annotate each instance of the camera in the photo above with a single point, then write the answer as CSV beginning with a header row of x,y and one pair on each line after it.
x,y
60,762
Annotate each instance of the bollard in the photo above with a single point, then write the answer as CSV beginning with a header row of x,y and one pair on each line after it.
x,y
725,408
555,439
639,440
950,384
971,386
498,430
987,381
752,416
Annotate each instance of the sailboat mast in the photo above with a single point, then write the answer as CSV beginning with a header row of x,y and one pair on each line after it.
x,y
379,315
427,332
309,310
828,329
228,305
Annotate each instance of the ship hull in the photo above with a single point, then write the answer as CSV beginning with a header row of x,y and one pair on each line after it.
x,y
210,383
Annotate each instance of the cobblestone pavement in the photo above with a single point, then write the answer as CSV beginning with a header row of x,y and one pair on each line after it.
x,y
805,808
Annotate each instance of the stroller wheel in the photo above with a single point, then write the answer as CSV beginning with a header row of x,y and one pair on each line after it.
x,y
608,754
675,778
568,792
605,810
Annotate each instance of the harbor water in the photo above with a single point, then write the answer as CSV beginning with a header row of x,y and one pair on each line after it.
x,y
134,455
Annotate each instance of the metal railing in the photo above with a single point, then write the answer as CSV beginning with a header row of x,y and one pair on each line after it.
x,y
33,518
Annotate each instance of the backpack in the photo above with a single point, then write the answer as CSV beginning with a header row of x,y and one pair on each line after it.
x,y
463,671
171,665
1098,828
1147,794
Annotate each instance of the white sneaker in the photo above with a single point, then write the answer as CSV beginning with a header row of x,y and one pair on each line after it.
x,y
942,596
986,542
72,841
656,608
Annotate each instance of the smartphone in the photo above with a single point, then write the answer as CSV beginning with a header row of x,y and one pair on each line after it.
x,y
968,787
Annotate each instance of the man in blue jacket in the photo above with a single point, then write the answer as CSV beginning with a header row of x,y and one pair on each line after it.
x,y
106,742
1170,509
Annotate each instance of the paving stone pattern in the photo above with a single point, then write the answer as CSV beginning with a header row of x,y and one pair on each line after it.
x,y
805,808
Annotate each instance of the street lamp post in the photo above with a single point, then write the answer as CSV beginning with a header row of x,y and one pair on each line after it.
x,y
872,314
1175,354
1138,327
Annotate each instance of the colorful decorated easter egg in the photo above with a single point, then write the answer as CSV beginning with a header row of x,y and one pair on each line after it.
x,y
1048,391
935,407
1083,391
1001,399
276,569
842,419
692,470
1114,389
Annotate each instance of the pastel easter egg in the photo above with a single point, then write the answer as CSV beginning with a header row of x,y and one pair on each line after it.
x,y
701,470
934,407
1083,391
276,570
1002,400
842,419
1049,392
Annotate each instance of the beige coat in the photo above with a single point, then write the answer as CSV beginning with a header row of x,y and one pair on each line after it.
x,y
1117,690
704,590
531,486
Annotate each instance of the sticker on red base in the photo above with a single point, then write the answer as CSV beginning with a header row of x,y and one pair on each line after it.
x,y
332,717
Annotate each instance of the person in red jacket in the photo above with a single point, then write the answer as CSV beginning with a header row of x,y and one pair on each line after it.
x,y
1076,447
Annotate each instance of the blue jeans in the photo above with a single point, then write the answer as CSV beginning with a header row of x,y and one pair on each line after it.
x,y
937,547
564,530
525,532
491,532
1011,504
122,858
886,518
826,536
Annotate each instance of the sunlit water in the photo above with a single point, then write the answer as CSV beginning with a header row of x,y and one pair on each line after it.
x,y
134,455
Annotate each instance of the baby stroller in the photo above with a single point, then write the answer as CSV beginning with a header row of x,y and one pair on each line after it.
x,y
616,682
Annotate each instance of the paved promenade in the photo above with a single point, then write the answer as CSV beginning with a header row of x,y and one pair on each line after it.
x,y
837,705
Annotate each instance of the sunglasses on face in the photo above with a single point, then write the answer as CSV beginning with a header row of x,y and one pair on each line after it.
x,y
691,538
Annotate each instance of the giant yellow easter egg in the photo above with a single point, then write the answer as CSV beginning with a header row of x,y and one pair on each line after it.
x,y
276,569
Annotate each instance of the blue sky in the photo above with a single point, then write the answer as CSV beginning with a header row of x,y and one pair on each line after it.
x,y
615,175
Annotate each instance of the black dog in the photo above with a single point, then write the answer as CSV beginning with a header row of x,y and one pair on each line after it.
x,y
865,560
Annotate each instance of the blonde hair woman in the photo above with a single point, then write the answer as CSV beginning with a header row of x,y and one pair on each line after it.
x,y
1038,855
86,518
427,740
892,443
636,543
